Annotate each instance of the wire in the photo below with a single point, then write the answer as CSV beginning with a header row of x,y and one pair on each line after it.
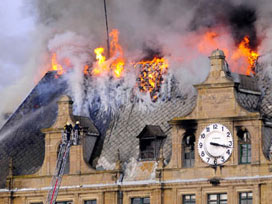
x,y
107,29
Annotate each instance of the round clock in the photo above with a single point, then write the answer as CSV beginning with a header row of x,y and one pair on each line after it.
x,y
215,144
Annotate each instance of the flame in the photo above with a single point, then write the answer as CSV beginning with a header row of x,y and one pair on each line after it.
x,y
151,76
86,70
241,58
55,65
100,65
116,67
210,41
245,51
116,50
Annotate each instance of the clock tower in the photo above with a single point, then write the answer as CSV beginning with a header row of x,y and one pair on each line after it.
x,y
225,124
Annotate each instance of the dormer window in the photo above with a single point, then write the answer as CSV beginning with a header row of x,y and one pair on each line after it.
x,y
244,146
151,140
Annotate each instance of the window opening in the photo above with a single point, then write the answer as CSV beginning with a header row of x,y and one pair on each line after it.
x,y
151,139
188,145
188,199
244,146
245,198
140,200
219,198
90,202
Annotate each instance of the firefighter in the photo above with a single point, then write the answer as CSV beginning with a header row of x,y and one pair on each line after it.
x,y
76,132
68,130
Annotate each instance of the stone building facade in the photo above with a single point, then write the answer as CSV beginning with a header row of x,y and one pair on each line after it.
x,y
156,157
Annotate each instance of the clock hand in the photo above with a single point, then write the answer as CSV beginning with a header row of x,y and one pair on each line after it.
x,y
220,145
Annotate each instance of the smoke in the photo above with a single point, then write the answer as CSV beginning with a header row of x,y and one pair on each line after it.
x,y
168,28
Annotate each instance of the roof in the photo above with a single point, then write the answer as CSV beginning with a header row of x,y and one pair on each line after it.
x,y
119,131
151,131
21,137
131,121
247,92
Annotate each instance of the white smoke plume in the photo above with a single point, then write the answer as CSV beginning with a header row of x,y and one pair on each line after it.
x,y
73,29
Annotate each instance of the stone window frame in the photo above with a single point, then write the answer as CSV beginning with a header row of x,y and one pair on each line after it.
x,y
218,200
254,189
244,141
192,191
88,197
192,199
218,190
247,198
35,200
134,194
142,200
91,201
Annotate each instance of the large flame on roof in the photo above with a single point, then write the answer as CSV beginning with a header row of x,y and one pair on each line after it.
x,y
244,50
152,72
99,66
116,51
151,76
55,65
116,66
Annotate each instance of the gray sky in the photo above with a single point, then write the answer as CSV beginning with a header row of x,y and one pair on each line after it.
x,y
15,27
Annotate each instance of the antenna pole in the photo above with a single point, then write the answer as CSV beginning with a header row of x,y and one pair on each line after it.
x,y
107,29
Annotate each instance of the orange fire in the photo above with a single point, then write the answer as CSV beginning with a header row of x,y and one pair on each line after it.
x,y
116,51
55,65
151,75
100,65
241,58
210,41
244,50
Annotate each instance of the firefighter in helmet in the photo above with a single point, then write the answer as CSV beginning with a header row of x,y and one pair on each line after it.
x,y
76,132
68,130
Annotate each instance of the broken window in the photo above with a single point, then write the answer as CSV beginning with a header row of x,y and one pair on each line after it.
x,y
188,145
244,146
151,140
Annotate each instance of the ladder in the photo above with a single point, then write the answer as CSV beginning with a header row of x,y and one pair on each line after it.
x,y
59,171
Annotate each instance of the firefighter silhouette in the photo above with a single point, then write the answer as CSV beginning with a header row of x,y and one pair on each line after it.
x,y
68,130
76,132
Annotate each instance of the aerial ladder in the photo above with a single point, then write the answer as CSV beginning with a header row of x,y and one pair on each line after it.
x,y
60,166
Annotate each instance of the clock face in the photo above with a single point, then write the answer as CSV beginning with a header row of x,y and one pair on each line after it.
x,y
215,144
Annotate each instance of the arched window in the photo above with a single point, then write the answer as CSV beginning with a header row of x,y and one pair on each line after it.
x,y
244,146
188,147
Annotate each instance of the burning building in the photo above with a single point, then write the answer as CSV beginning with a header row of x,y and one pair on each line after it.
x,y
213,146
167,118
